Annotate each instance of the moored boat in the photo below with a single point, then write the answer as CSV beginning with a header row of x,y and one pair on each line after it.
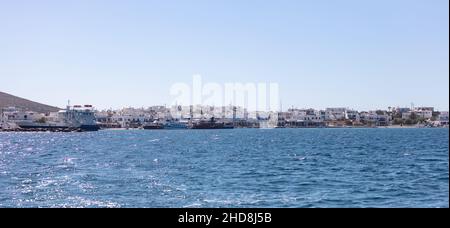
x,y
211,124
153,126
176,125
77,117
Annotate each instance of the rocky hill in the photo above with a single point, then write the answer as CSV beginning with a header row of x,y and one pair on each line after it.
x,y
7,100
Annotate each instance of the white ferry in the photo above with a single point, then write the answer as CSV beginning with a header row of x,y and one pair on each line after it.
x,y
76,117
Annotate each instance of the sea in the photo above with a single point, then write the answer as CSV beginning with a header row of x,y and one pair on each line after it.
x,y
237,168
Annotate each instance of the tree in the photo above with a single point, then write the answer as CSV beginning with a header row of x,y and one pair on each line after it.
x,y
398,121
380,112
42,120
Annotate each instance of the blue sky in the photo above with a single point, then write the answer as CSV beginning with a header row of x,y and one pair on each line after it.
x,y
111,53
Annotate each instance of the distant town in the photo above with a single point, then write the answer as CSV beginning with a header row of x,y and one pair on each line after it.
x,y
87,118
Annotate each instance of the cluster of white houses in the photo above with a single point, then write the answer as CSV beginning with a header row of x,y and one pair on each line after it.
x,y
293,117
10,116
240,117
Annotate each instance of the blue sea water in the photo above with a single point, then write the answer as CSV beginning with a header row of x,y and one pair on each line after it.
x,y
226,168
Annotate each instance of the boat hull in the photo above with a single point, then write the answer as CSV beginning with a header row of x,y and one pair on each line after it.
x,y
211,126
175,126
60,127
89,127
153,127
42,127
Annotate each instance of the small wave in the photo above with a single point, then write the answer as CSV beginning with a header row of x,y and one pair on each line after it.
x,y
68,160
218,201
181,189
45,183
193,205
83,202
27,181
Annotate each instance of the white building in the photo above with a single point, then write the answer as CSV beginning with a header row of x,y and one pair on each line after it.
x,y
309,115
12,114
383,119
335,113
443,118
207,112
425,114
352,115
297,114
369,116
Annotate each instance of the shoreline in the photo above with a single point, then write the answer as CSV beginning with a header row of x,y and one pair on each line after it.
x,y
137,129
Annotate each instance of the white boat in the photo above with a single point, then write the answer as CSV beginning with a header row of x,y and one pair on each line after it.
x,y
76,117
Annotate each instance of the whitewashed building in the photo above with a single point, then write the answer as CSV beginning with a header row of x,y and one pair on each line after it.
x,y
335,113
310,115
12,114
426,114
443,118
368,116
352,115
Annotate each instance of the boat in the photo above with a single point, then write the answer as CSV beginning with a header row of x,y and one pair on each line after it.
x,y
80,118
153,126
211,124
176,125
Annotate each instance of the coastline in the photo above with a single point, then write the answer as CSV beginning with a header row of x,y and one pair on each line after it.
x,y
138,129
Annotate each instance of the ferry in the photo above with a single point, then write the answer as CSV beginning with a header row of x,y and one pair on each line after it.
x,y
77,117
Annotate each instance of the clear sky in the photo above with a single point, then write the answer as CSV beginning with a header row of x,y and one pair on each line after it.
x,y
115,53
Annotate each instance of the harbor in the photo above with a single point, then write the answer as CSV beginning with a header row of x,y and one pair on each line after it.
x,y
82,118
